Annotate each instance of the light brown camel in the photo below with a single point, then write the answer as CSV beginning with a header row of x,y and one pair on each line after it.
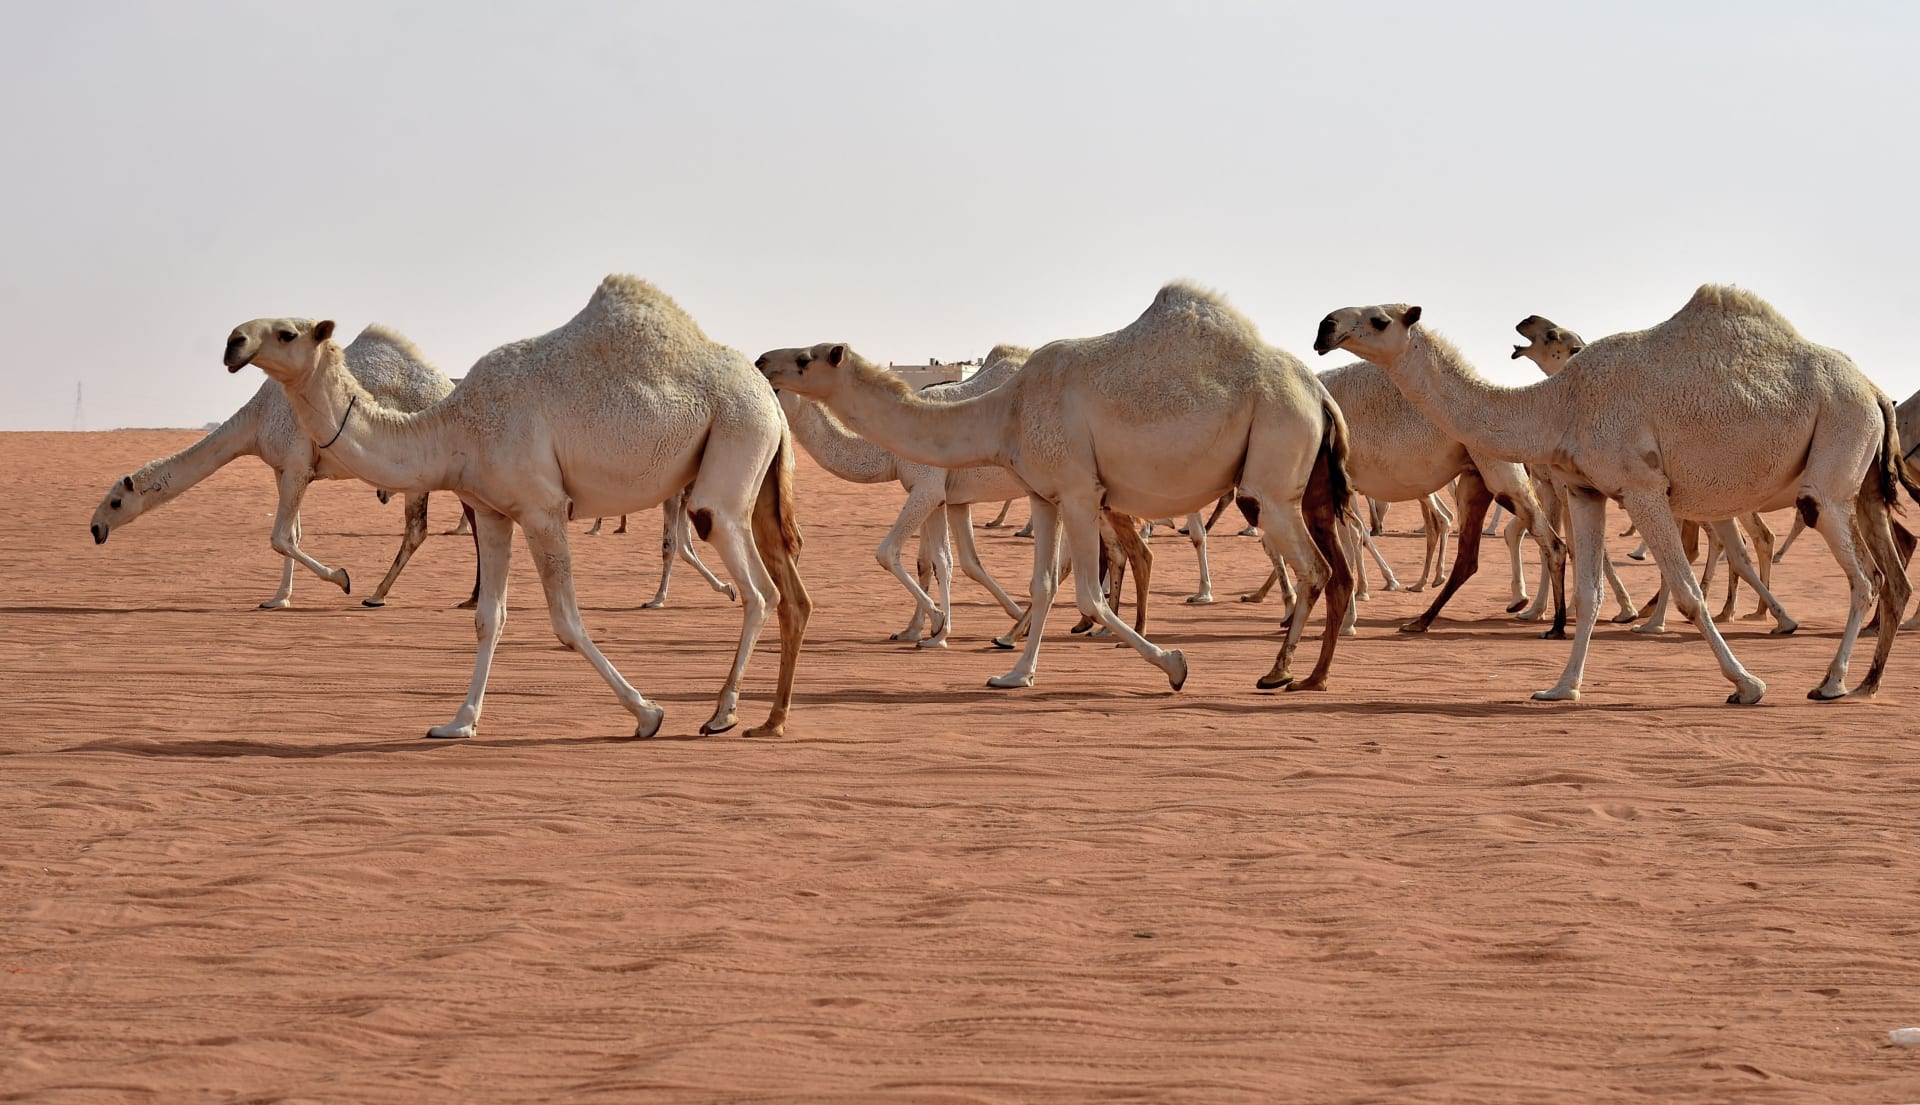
x,y
1720,410
615,411
1154,420
386,364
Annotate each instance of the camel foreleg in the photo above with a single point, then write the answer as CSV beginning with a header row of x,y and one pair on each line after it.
x,y
416,532
292,486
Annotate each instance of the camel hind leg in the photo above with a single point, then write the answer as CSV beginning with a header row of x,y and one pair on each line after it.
x,y
1741,566
292,486
722,511
1044,517
1662,532
960,526
1081,514
778,546
1834,522
1197,533
1887,560
416,532
1474,499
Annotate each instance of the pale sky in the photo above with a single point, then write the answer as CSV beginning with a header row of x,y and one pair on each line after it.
x,y
927,179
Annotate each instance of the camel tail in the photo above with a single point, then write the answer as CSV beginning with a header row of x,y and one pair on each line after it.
x,y
776,494
1336,448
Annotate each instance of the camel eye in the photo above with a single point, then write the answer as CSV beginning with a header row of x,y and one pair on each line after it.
x,y
801,363
115,504
1378,323
287,335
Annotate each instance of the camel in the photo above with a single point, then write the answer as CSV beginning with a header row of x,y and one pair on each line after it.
x,y
1398,454
1550,347
1721,410
616,411
387,365
938,499
1154,420
675,541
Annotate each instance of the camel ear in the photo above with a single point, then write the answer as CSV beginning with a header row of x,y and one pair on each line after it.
x,y
127,482
323,330
1411,316
836,354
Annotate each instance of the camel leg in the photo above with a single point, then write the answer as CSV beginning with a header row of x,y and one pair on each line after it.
x,y
282,598
923,572
1350,546
546,537
1621,596
921,502
1587,518
286,531
795,606
1757,529
1834,521
1474,498
416,532
1137,555
1392,582
595,531
1431,540
1716,548
1197,533
1661,531
466,519
669,540
1376,517
959,520
1641,552
623,526
1887,554
998,519
1656,609
732,536
1082,519
683,543
493,538
1219,508
933,538
1007,640
1493,522
1283,529
1742,566
1799,525
1260,595
1044,517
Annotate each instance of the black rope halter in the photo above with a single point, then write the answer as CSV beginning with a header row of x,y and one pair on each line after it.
x,y
343,421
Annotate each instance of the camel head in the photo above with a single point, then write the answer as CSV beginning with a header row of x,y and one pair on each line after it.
x,y
286,349
1376,334
1549,346
121,504
814,372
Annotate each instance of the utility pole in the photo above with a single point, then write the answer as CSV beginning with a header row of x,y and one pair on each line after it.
x,y
79,408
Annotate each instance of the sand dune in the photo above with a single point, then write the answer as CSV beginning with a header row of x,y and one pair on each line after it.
x,y
233,872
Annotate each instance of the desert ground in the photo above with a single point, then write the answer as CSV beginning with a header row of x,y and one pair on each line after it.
x,y
232,871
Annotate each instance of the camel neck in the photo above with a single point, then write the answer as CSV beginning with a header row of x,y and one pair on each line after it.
x,y
387,448
1523,424
168,477
837,449
959,434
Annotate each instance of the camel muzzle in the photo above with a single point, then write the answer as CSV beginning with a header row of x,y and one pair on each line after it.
x,y
1323,342
99,534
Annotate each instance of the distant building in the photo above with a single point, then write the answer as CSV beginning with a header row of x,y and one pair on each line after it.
x,y
919,376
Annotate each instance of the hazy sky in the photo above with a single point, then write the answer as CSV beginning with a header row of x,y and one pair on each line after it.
x,y
926,179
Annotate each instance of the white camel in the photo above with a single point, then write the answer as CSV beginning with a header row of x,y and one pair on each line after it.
x,y
1550,347
387,365
1720,410
616,411
1154,420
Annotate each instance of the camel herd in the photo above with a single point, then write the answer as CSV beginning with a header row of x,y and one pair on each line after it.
x,y
1701,422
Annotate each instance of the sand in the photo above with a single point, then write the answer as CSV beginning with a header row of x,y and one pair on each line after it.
x,y
231,870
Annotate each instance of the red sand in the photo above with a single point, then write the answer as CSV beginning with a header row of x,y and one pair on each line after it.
x,y
233,872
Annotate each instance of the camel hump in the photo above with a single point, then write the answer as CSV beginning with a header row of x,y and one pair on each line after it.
x,y
1191,306
1005,353
1727,300
630,296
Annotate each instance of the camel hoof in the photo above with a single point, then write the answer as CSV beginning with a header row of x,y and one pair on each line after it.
x,y
451,731
1557,633
732,595
1349,631
1415,588
1822,693
904,637
1649,628
711,726
1625,617
1176,669
374,604
1636,556
1557,694
1002,643
1756,616
1747,693
931,642
1517,605
653,604
1308,685
276,604
1414,626
1529,615
770,729
1784,629
1392,585
1010,681
470,604
1200,600
345,581
1864,690
1253,598
650,717
1250,531
1273,680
